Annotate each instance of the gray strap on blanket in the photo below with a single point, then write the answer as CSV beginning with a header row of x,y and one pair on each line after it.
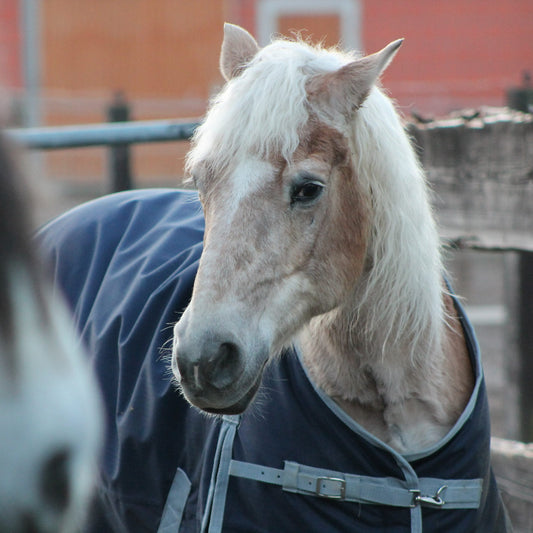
x,y
214,514
175,505
430,492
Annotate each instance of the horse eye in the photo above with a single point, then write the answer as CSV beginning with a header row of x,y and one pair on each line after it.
x,y
305,192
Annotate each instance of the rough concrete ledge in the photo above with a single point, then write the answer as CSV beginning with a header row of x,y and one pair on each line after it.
x,y
513,466
480,166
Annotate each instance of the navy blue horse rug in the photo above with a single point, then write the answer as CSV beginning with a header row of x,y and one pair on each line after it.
x,y
294,462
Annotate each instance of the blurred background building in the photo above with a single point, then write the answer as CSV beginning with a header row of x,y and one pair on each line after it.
x,y
64,59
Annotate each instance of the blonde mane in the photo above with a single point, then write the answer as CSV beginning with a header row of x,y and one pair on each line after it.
x,y
401,296
263,112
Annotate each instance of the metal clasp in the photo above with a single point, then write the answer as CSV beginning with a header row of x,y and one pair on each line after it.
x,y
428,501
333,488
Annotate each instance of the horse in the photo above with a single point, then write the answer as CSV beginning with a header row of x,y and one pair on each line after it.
x,y
317,211
328,377
50,417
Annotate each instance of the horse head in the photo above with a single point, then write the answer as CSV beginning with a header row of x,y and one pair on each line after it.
x,y
50,419
287,221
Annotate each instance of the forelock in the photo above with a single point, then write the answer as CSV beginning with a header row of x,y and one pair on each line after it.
x,y
263,111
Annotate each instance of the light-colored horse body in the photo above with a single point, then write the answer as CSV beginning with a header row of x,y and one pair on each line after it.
x,y
319,232
50,425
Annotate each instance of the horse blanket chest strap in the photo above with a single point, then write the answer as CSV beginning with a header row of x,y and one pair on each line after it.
x,y
301,479
332,485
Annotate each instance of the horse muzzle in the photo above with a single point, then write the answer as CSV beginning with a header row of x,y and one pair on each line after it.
x,y
216,371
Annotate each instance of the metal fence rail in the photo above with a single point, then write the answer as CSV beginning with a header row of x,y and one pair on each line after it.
x,y
49,138
116,136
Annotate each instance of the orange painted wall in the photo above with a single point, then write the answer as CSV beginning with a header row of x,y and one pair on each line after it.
x,y
456,53
164,55
321,28
163,49
10,59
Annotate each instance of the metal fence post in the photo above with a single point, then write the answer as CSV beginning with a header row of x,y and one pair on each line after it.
x,y
120,175
521,98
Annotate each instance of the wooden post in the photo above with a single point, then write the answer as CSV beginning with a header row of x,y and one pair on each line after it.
x,y
513,465
480,166
524,317
521,98
120,176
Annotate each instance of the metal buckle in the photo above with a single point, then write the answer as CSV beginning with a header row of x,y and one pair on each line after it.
x,y
330,484
428,501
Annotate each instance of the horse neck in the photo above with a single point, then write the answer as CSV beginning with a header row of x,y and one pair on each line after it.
x,y
359,351
389,341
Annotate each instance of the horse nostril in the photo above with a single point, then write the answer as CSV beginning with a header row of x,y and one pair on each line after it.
x,y
217,367
186,370
55,482
223,367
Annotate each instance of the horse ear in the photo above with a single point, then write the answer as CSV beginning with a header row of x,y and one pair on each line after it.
x,y
238,49
347,88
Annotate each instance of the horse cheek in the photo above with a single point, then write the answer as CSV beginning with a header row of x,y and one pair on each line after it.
x,y
343,243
